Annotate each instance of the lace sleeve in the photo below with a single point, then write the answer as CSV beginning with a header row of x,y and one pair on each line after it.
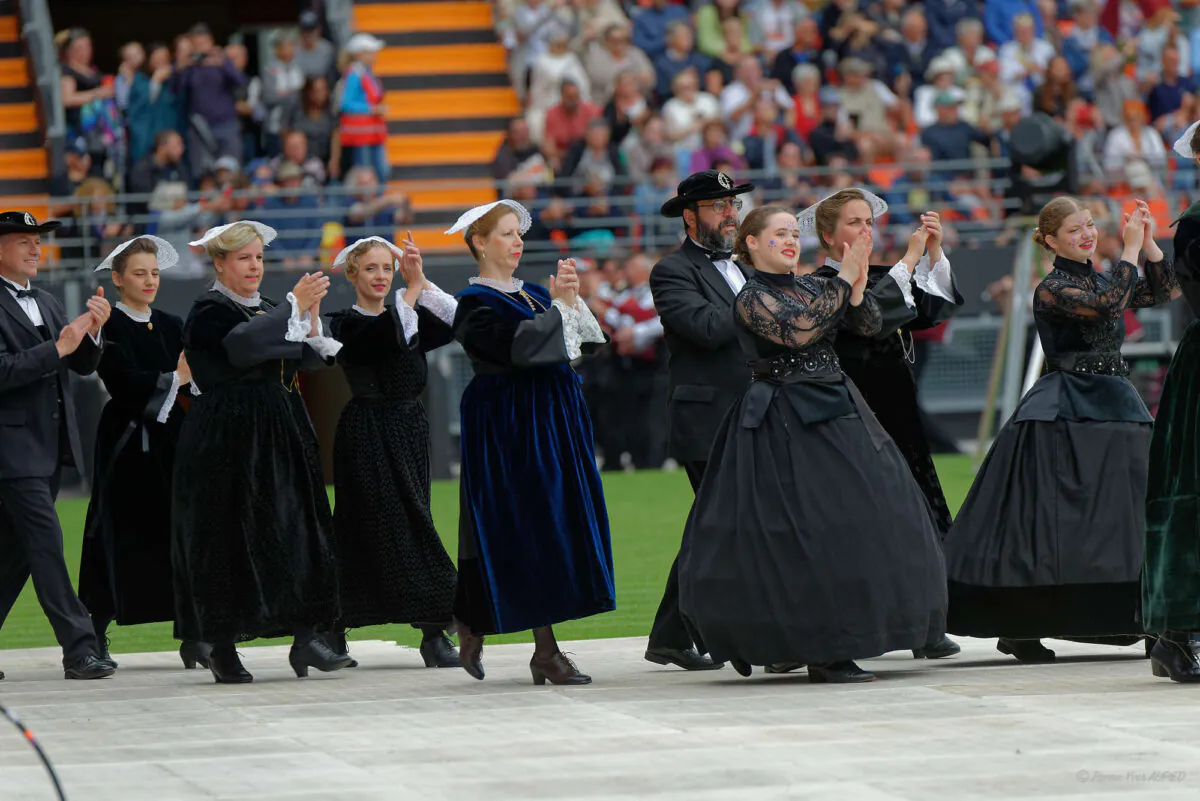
x,y
787,319
865,319
1161,285
1069,299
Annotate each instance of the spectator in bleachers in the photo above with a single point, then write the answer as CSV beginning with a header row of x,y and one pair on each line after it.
x,y
247,101
739,98
567,122
656,187
595,157
888,16
294,150
789,187
714,148
987,95
1057,93
834,135
282,81
528,36
1000,16
687,111
1002,117
644,146
1134,139
677,56
1085,36
627,109
773,24
941,78
615,56
361,124
299,233
133,58
969,50
711,40
950,138
1160,30
207,86
1023,60
767,135
735,50
86,96
1087,129
806,100
865,100
516,149
944,16
312,117
178,222
1112,86
225,172
914,53
593,18
590,225
806,49
164,163
95,222
372,211
315,54
651,26
79,166
153,104
547,76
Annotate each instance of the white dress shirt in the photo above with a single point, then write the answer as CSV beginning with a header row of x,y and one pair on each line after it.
x,y
31,309
729,271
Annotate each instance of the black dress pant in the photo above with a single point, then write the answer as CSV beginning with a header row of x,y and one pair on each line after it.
x,y
670,629
31,544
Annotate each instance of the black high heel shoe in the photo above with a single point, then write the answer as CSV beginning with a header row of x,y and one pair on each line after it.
x,y
227,667
470,653
439,652
839,673
1172,657
316,653
742,668
193,653
1030,652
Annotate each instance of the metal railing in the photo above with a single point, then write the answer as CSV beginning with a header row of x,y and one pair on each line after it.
x,y
38,33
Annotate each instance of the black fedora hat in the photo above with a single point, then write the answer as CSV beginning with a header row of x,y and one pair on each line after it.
x,y
22,222
707,185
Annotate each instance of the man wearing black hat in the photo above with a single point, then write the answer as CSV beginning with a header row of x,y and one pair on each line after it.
x,y
38,436
694,288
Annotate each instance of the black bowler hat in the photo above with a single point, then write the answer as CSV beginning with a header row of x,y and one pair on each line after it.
x,y
22,222
707,185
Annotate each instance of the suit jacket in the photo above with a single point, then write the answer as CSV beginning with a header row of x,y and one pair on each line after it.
x,y
708,368
31,377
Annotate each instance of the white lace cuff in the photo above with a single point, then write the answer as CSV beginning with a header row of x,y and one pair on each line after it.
x,y
589,326
440,303
169,401
299,325
903,279
407,315
326,347
936,281
571,336
195,389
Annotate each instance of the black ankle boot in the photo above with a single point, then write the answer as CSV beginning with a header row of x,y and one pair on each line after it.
x,y
438,651
100,627
1030,652
226,667
315,653
193,653
1172,657
337,644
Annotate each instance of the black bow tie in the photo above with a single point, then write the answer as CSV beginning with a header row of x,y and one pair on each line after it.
x,y
718,255
26,293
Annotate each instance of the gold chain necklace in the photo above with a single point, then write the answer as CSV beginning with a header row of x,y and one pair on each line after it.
x,y
531,301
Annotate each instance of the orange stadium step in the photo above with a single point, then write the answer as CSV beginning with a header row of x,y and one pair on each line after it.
x,y
427,104
409,17
433,239
452,148
18,118
9,31
14,74
454,59
23,164
427,196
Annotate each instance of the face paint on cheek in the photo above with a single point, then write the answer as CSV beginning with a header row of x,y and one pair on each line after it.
x,y
771,243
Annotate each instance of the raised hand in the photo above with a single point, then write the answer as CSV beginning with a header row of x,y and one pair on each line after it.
x,y
72,334
100,310
310,289
860,255
410,264
565,285
1134,234
1149,245
932,223
916,247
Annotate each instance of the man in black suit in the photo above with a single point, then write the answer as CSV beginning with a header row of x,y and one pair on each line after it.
x,y
38,436
694,288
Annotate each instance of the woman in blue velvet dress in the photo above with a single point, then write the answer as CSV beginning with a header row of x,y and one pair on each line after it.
x,y
533,545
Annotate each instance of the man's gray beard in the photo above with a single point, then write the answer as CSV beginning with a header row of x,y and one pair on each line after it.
x,y
715,238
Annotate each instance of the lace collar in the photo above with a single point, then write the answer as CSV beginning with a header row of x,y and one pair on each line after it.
x,y
235,297
1079,269
363,311
829,262
136,316
507,287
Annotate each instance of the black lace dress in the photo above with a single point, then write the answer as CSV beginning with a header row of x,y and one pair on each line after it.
x,y
1049,540
809,540
392,566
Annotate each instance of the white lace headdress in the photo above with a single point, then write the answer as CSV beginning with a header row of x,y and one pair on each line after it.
x,y
340,261
1183,145
267,233
167,256
468,217
808,218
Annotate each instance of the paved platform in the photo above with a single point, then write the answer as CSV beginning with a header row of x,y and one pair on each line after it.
x,y
978,726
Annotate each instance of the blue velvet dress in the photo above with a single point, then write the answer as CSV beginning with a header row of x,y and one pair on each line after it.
x,y
534,543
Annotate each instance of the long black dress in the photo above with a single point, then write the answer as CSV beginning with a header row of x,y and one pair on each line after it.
x,y
879,367
125,569
252,523
1049,540
392,566
809,540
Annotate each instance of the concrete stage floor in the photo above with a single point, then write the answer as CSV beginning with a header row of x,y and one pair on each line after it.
x,y
977,726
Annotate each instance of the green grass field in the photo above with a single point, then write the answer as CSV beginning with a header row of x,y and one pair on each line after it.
x,y
646,511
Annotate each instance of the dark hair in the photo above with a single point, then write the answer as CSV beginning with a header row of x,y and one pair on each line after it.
x,y
150,49
753,225
140,245
162,136
1051,218
306,91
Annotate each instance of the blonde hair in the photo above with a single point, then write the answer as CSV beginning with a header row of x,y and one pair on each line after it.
x,y
1051,218
363,249
830,211
234,238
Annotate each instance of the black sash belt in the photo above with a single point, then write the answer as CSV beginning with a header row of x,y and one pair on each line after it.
x,y
764,388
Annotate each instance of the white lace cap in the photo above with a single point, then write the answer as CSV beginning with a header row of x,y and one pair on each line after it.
x,y
267,233
340,261
808,218
167,256
523,218
1183,145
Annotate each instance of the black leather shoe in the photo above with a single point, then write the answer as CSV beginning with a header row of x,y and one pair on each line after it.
x,y
316,653
337,643
227,667
742,668
439,652
783,667
1172,657
88,667
193,653
1030,652
839,673
470,655
103,655
938,649
686,658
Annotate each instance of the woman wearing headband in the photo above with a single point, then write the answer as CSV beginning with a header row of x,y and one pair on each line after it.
x,y
125,570
916,293
1049,540
809,542
251,522
392,566
1170,574
533,537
